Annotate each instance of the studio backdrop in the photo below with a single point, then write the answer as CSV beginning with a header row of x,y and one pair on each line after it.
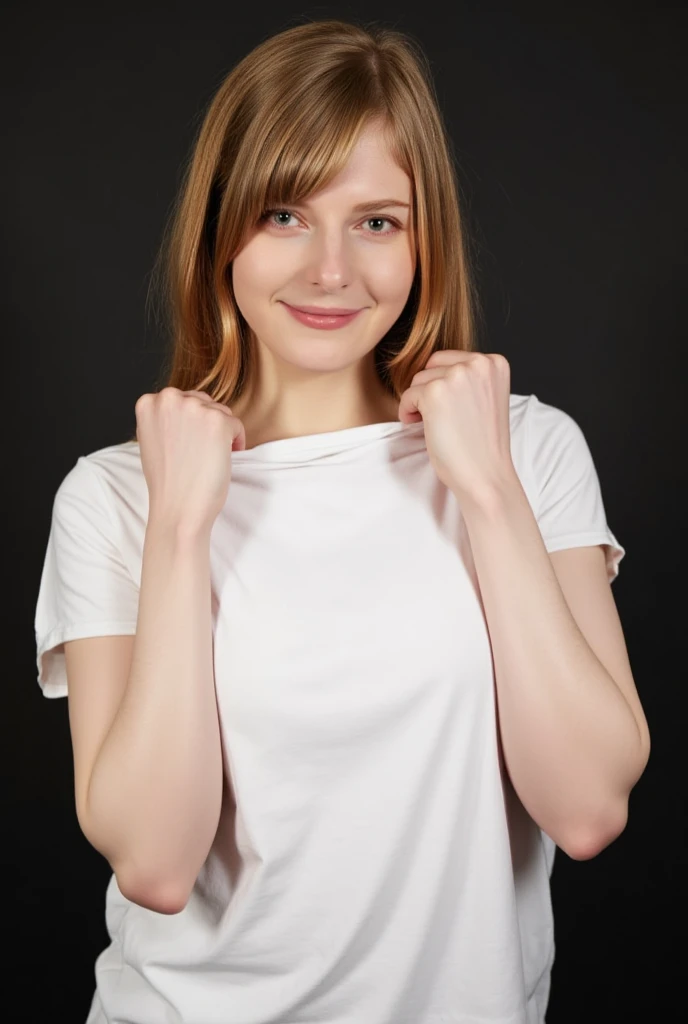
x,y
568,131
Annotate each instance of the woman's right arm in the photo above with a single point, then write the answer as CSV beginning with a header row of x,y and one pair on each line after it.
x,y
145,730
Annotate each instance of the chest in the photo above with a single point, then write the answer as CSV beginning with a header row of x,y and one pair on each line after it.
x,y
327,633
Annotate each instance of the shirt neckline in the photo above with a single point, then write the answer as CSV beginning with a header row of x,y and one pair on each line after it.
x,y
331,441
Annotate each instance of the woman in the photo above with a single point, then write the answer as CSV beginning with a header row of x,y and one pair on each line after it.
x,y
333,704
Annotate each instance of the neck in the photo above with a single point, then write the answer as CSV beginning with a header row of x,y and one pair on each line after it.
x,y
261,427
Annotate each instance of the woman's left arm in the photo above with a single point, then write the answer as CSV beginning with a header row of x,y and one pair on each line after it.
x,y
573,733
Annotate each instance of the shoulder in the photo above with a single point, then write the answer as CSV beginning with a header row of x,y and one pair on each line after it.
x,y
548,447
543,432
116,461
538,418
555,441
109,477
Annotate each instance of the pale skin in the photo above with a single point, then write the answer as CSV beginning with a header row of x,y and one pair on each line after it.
x,y
326,254
573,732
572,729
574,736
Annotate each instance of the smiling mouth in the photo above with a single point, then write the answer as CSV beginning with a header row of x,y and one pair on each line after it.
x,y
323,310
322,320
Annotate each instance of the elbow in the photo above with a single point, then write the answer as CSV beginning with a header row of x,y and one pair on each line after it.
x,y
158,895
589,843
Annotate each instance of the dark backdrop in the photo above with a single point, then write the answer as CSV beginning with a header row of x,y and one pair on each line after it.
x,y
569,126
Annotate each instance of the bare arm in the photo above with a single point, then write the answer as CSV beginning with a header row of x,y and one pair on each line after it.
x,y
151,801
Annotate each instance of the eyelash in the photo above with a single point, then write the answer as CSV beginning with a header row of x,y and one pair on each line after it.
x,y
265,216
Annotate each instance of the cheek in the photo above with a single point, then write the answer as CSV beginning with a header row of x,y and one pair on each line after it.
x,y
245,277
247,284
257,271
390,279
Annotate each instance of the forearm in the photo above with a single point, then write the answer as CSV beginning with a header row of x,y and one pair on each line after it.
x,y
155,791
571,744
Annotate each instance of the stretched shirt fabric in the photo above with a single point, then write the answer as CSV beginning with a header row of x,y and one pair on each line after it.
x,y
373,863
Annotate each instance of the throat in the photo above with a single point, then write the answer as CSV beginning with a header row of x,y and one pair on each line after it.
x,y
262,433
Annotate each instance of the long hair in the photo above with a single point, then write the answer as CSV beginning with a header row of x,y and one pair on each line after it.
x,y
282,124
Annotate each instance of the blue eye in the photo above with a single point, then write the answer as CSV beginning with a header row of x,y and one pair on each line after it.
x,y
271,213
267,216
383,219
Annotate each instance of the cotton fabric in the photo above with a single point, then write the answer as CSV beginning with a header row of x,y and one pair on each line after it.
x,y
373,864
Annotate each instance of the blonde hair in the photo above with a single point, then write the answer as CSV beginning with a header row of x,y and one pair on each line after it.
x,y
282,124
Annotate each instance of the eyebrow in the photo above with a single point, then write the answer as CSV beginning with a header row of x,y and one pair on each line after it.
x,y
378,204
373,204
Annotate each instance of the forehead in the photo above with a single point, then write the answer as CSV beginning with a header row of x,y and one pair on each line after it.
x,y
370,173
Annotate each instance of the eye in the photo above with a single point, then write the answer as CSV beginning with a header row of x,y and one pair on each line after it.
x,y
394,223
268,214
268,217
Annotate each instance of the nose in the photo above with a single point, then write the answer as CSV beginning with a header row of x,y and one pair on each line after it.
x,y
330,262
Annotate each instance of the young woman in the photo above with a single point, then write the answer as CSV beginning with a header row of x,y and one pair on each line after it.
x,y
333,702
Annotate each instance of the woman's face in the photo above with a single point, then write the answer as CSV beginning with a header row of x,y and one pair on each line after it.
x,y
330,252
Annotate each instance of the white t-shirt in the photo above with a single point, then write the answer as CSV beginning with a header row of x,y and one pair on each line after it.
x,y
373,865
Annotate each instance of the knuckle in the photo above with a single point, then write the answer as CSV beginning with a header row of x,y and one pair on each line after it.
x,y
142,401
169,393
436,385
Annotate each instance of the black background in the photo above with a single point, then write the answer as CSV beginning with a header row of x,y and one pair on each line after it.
x,y
569,126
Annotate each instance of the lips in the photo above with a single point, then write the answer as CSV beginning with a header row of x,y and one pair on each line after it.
x,y
324,319
324,310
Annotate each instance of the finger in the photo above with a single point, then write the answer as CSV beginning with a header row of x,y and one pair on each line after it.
x,y
423,376
447,356
239,436
198,394
408,406
203,395
239,439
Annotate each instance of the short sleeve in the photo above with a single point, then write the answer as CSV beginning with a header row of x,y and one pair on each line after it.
x,y
569,506
85,588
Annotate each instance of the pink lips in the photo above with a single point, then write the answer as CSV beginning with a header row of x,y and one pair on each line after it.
x,y
334,318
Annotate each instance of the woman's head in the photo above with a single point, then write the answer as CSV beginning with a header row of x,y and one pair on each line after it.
x,y
346,247
313,121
